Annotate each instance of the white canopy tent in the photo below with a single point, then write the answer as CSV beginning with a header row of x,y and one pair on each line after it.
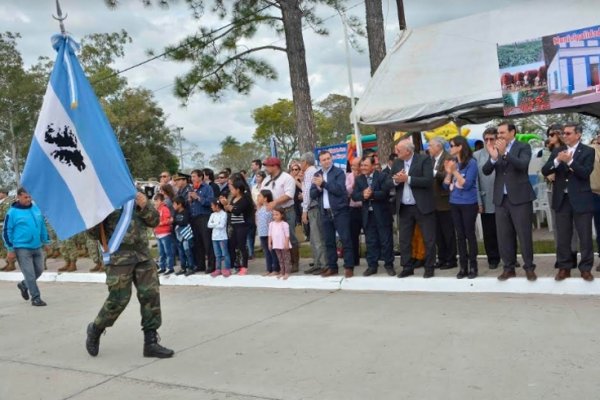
x,y
449,71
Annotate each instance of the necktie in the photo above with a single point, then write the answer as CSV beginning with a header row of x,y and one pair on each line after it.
x,y
370,181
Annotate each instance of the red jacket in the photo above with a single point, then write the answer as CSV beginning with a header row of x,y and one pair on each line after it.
x,y
165,224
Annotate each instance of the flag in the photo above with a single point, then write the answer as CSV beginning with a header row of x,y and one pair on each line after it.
x,y
273,146
75,170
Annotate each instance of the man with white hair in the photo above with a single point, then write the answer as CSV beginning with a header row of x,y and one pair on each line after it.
x,y
445,235
311,214
412,174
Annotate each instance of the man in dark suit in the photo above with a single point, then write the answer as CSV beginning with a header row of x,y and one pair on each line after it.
x,y
372,188
572,201
513,198
445,235
412,175
329,189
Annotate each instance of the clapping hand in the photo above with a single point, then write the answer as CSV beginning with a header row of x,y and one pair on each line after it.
x,y
501,146
367,193
492,150
564,156
318,180
450,166
401,177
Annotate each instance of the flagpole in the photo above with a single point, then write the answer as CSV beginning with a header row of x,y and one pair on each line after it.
x,y
60,18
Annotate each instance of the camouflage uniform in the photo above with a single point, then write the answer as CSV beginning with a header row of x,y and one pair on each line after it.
x,y
68,249
93,251
131,264
54,242
4,206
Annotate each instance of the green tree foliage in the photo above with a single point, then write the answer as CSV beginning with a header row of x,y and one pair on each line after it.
x,y
277,120
139,124
21,92
236,155
336,124
133,113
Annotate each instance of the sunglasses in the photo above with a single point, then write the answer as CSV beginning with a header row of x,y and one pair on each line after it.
x,y
454,145
490,139
568,133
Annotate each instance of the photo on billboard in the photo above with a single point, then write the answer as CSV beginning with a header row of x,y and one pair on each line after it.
x,y
523,77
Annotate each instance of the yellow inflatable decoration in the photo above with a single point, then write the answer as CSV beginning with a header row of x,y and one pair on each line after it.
x,y
447,132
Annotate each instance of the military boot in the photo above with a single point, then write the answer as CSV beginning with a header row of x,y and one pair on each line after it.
x,y
152,348
65,267
10,266
72,267
98,268
92,342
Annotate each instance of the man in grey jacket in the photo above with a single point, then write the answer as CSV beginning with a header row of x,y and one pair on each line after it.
x,y
485,198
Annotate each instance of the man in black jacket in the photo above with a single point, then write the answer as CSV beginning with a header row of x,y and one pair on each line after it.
x,y
513,198
572,201
329,189
412,175
372,188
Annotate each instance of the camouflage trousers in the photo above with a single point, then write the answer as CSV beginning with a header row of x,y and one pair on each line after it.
x,y
3,252
119,280
93,250
68,249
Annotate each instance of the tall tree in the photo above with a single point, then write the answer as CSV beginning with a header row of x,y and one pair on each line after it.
x,y
376,39
226,58
236,156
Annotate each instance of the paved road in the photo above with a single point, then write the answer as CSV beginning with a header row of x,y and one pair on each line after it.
x,y
291,344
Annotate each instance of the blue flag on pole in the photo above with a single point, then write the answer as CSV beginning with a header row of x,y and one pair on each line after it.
x,y
75,170
273,146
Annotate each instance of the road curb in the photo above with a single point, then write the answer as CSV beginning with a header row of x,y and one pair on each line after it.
x,y
572,286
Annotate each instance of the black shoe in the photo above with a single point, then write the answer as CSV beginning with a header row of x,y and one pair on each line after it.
x,y
37,302
370,271
493,266
390,271
428,272
406,272
161,271
446,266
152,348
24,291
190,272
473,273
92,342
462,273
180,272
169,272
312,270
397,253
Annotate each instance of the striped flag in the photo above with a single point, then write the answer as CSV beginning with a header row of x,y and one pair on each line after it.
x,y
75,169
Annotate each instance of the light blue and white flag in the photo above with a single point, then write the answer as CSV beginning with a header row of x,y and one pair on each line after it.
x,y
75,170
273,146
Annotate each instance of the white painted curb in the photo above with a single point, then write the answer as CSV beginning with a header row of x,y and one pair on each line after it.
x,y
571,286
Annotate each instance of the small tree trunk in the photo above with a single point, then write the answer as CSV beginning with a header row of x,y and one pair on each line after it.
x,y
376,39
305,125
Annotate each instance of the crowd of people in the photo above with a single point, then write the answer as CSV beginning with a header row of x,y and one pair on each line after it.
x,y
420,205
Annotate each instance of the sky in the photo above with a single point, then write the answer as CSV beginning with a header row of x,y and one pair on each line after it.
x,y
204,122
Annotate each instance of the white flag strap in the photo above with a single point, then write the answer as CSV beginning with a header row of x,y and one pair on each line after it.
x,y
121,229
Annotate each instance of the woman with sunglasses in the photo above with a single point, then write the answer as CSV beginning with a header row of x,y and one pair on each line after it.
x,y
461,180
